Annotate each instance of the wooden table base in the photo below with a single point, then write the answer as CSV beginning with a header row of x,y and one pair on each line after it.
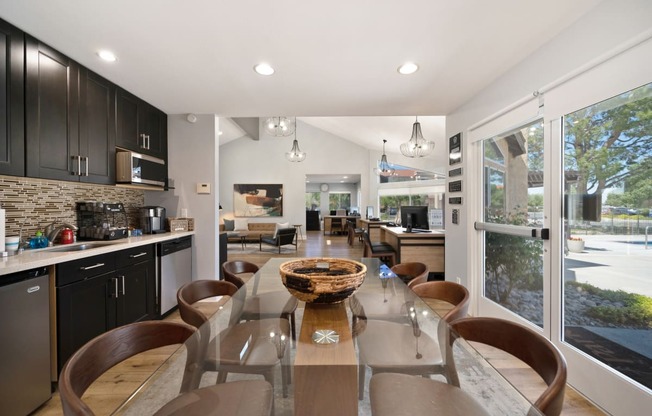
x,y
325,375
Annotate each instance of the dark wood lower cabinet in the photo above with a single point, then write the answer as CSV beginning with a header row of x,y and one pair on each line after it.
x,y
89,305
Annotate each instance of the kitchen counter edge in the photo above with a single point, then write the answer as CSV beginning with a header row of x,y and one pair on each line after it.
x,y
42,258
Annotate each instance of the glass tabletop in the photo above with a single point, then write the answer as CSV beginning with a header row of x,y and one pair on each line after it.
x,y
383,327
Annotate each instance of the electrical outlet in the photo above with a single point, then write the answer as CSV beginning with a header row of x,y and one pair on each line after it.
x,y
458,280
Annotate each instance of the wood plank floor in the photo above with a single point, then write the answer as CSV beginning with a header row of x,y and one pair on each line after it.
x,y
106,394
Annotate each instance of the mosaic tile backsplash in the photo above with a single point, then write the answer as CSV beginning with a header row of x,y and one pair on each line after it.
x,y
35,203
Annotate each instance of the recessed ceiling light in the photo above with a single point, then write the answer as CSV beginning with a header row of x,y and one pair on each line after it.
x,y
107,55
408,68
264,69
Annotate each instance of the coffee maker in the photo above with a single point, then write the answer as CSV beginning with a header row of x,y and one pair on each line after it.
x,y
152,219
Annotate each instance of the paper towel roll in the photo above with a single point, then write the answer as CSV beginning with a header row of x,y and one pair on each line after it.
x,y
2,230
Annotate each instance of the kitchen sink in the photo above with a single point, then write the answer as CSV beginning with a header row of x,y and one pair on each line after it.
x,y
78,247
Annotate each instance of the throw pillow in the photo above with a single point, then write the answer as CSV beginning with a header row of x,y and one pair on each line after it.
x,y
241,224
281,225
229,225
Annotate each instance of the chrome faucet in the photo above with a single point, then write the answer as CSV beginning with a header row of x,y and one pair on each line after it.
x,y
52,231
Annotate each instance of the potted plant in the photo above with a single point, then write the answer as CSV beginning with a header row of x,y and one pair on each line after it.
x,y
575,244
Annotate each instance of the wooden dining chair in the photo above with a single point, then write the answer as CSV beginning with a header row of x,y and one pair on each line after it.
x,y
225,351
381,250
450,292
106,350
336,226
406,349
353,232
278,304
411,273
523,343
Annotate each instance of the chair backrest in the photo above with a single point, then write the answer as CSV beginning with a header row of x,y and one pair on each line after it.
x,y
450,292
196,291
526,345
412,271
106,350
235,267
286,235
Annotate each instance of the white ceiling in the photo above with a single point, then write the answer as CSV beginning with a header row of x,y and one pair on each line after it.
x,y
333,59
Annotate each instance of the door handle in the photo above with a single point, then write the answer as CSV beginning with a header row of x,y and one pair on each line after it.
x,y
133,256
92,267
86,158
148,142
123,285
142,136
115,286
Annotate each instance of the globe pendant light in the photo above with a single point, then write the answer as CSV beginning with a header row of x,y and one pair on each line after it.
x,y
295,154
384,168
417,146
279,126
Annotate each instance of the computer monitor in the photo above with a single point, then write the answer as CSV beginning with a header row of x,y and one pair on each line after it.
x,y
415,217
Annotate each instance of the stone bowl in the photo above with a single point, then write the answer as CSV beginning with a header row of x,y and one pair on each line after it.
x,y
322,280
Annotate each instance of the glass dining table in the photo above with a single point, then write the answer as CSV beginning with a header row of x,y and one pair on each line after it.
x,y
319,372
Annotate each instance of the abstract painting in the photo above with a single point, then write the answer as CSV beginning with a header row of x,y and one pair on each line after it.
x,y
258,200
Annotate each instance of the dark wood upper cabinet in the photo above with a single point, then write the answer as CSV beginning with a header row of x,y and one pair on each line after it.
x,y
12,101
141,126
70,119
51,113
97,128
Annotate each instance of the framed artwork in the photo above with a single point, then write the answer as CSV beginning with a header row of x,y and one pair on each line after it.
x,y
258,200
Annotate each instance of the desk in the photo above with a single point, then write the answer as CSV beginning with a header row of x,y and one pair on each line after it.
x,y
325,376
327,221
426,248
372,228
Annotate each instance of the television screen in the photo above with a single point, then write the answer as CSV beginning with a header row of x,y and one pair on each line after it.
x,y
415,217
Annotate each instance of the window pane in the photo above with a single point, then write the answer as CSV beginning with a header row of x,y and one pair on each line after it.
x,y
313,201
513,195
608,193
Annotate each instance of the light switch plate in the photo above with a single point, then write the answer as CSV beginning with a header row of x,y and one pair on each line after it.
x,y
203,188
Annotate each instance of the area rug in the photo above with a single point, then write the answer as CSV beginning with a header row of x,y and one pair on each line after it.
x,y
628,362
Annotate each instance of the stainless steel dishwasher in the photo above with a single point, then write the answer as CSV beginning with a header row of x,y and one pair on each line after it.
x,y
174,270
25,346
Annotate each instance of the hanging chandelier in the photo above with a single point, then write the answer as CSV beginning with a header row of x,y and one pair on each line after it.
x,y
417,146
279,126
384,168
295,154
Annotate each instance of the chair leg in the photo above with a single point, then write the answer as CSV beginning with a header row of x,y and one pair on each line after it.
x,y
221,377
361,376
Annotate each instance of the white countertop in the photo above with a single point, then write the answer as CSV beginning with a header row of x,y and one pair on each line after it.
x,y
400,231
31,259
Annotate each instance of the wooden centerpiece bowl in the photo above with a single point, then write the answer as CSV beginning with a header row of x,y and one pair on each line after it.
x,y
322,280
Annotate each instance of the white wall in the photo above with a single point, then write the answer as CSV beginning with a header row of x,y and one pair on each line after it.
x,y
263,161
607,26
192,154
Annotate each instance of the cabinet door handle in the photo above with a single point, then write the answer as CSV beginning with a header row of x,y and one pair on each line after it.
x,y
87,159
123,285
133,256
148,142
92,267
78,172
143,136
115,282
